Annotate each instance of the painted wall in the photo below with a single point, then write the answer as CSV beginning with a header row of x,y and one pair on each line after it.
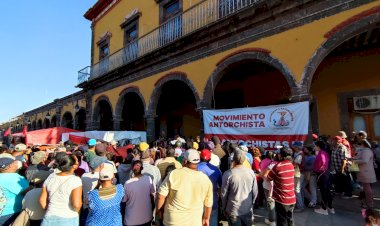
x,y
110,22
342,74
293,48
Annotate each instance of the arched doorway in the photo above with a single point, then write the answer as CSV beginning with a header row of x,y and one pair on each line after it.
x,y
103,116
67,120
53,122
46,123
34,125
39,124
345,81
132,113
80,120
175,104
250,83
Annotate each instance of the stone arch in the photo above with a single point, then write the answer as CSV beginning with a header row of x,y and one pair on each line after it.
x,y
67,120
342,32
173,76
80,119
255,54
96,116
39,124
118,114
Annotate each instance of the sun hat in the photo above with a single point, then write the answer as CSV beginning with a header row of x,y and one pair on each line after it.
x,y
342,134
5,162
40,176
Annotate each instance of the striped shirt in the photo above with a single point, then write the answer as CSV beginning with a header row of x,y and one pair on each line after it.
x,y
282,175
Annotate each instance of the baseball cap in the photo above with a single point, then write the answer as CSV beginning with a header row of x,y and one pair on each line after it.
x,y
40,176
205,154
143,146
20,147
192,156
91,142
38,157
297,144
97,161
106,174
6,161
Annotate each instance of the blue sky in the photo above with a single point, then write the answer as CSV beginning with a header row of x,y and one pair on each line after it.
x,y
44,44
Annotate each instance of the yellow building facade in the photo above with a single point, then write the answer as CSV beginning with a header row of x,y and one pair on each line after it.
x,y
156,64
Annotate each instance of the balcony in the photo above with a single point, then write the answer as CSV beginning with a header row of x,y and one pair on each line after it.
x,y
189,21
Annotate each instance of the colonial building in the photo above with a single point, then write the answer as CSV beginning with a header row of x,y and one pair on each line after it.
x,y
155,64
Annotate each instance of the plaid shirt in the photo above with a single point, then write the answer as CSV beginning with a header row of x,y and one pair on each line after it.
x,y
339,154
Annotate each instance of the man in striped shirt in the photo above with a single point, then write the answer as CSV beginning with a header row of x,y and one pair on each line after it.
x,y
282,175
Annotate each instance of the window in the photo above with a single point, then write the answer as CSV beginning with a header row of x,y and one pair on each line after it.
x,y
104,50
131,34
359,123
171,19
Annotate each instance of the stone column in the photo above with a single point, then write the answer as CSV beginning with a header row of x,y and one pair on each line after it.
x,y
89,113
201,107
58,110
305,97
150,126
116,122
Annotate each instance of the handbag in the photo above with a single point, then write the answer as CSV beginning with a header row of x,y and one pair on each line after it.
x,y
23,219
354,167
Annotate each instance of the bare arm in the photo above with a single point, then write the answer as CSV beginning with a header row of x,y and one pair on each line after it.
x,y
43,198
160,201
206,216
76,198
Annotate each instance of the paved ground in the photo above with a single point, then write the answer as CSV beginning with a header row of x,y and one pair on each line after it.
x,y
348,213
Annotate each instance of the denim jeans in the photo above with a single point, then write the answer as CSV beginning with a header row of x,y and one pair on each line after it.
x,y
270,206
243,220
214,217
310,179
298,190
61,221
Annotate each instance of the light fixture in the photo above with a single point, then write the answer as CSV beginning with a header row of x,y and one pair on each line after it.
x,y
29,122
76,108
48,116
17,124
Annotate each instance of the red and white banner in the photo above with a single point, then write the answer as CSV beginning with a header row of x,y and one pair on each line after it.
x,y
267,126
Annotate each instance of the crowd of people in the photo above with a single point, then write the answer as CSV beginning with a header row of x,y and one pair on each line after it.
x,y
183,182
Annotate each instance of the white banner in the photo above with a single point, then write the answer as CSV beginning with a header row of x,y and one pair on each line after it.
x,y
277,124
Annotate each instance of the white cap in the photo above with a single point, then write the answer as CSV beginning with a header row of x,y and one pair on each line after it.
x,y
192,156
106,174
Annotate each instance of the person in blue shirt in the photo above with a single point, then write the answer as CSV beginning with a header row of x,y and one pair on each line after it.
x,y
14,187
215,176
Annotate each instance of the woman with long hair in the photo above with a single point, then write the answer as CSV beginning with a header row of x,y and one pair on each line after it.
x,y
61,194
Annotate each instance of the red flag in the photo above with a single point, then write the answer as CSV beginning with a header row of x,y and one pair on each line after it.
x,y
25,132
8,132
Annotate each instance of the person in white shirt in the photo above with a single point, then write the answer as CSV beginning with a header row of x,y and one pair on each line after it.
x,y
61,194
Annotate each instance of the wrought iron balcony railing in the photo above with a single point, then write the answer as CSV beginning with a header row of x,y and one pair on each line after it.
x,y
189,21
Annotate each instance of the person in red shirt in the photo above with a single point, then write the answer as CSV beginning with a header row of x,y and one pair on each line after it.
x,y
282,175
